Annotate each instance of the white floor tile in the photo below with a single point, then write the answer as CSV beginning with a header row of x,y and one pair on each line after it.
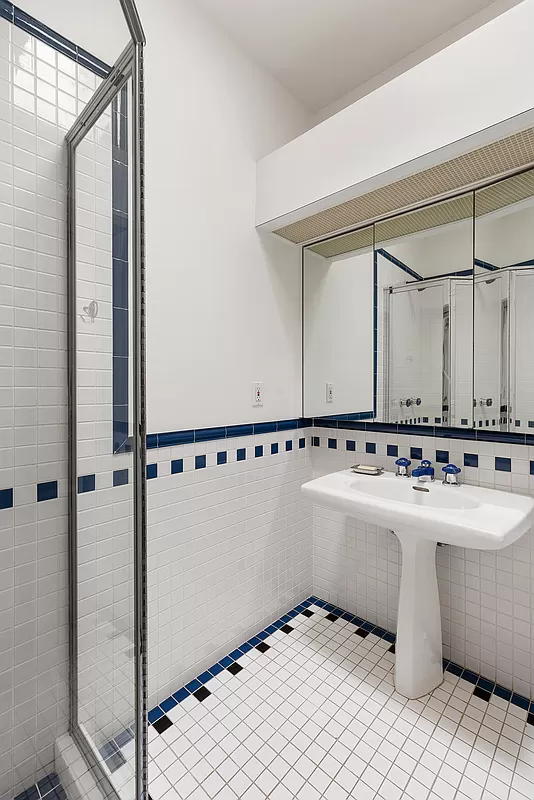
x,y
316,717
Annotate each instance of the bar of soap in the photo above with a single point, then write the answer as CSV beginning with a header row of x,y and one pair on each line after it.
x,y
366,469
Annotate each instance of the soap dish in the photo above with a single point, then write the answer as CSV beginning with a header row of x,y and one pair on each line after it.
x,y
367,469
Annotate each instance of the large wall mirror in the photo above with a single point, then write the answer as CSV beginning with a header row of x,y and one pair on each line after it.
x,y
423,318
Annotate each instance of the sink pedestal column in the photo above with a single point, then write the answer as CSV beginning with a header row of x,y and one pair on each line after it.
x,y
418,650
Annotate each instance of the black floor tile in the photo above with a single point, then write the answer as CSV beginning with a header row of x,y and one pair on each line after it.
x,y
482,693
307,612
263,647
361,632
287,628
331,617
234,668
202,693
162,724
530,719
392,649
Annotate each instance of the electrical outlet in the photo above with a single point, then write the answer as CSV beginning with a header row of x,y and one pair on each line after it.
x,y
257,394
329,392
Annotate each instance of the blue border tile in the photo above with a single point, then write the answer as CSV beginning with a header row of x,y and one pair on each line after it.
x,y
120,477
86,483
46,491
470,460
6,498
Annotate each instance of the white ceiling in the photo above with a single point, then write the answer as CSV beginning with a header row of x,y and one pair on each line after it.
x,y
320,50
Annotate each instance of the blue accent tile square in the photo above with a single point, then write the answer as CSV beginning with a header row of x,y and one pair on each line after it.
x,y
151,471
520,701
503,464
155,714
120,477
274,448
416,452
86,483
316,442
469,676
242,454
504,694
122,738
181,694
177,466
6,498
46,491
193,685
289,445
393,450
200,462
470,460
370,447
332,444
351,446
302,443
222,458
442,456
258,451
168,704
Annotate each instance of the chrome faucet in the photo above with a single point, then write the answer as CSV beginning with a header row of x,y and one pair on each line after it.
x,y
424,473
451,472
403,465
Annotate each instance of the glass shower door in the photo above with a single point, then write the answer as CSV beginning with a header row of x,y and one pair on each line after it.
x,y
107,437
521,350
417,320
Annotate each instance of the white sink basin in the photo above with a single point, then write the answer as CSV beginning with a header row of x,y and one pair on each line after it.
x,y
422,515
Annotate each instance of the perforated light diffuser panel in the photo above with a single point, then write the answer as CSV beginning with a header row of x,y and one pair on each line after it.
x,y
499,158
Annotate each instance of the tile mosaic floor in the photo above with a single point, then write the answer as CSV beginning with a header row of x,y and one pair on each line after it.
x,y
314,714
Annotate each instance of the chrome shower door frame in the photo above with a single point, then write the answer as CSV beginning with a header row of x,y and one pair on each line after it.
x,y
129,65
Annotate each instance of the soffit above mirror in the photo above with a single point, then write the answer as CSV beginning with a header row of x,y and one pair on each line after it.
x,y
461,173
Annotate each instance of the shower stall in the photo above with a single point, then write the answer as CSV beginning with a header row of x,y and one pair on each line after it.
x,y
427,372
106,427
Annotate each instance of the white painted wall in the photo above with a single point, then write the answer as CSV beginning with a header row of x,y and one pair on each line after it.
x,y
452,95
338,333
223,303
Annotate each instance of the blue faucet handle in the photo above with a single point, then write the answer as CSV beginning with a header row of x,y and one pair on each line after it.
x,y
426,463
402,462
451,469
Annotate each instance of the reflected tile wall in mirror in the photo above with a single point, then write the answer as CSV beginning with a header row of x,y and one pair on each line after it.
x,y
504,298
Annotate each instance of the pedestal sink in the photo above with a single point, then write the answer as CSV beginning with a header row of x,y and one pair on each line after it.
x,y
421,516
